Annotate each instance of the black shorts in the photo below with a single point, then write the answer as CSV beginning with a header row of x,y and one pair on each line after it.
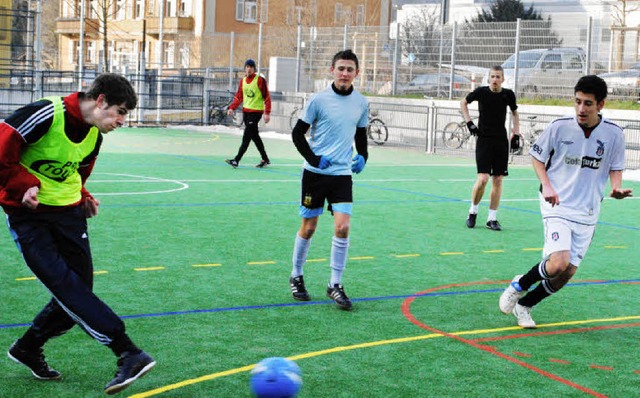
x,y
492,155
318,187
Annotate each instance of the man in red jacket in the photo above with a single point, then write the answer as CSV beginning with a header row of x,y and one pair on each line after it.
x,y
47,151
253,94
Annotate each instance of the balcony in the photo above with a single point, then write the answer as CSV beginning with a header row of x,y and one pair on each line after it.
x,y
70,27
170,26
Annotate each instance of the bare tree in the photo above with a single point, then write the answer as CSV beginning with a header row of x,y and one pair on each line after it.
x,y
420,34
621,9
104,11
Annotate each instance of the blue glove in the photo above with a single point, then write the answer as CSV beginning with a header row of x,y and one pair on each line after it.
x,y
324,162
358,164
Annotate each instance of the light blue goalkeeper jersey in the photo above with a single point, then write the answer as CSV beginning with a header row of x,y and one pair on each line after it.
x,y
333,119
578,167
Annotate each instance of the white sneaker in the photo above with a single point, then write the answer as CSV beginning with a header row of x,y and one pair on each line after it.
x,y
511,295
523,314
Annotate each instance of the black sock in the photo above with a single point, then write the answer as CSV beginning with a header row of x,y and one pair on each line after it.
x,y
535,274
542,291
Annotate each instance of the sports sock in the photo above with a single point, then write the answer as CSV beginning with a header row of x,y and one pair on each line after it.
x,y
300,251
542,291
537,273
492,215
473,209
339,249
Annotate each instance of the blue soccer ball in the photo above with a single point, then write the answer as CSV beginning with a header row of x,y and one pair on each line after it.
x,y
276,378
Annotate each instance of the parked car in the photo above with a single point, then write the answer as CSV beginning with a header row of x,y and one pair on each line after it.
x,y
435,85
544,70
624,82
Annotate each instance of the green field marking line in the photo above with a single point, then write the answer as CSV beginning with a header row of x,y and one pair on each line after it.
x,y
261,262
334,350
145,269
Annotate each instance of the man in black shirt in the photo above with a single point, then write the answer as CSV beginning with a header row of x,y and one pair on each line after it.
x,y
492,147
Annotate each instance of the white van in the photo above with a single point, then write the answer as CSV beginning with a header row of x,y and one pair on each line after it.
x,y
548,71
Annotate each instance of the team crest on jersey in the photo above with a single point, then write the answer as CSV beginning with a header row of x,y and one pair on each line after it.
x,y
600,150
307,200
555,236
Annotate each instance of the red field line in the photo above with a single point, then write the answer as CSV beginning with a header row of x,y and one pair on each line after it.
x,y
406,310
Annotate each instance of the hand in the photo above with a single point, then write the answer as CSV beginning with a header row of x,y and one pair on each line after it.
x,y
229,112
324,162
90,206
358,164
266,118
473,129
550,195
30,198
619,193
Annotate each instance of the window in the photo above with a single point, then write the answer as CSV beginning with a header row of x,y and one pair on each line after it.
x,y
250,11
239,10
337,15
360,15
120,10
573,61
552,61
291,12
247,11
264,11
138,11
170,8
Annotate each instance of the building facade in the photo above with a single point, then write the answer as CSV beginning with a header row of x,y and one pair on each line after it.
x,y
121,35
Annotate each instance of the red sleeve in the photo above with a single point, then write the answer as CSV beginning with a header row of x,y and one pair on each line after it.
x,y
238,98
262,84
14,178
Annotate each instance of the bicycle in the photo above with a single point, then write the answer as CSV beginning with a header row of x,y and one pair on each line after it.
x,y
218,112
376,129
295,115
455,134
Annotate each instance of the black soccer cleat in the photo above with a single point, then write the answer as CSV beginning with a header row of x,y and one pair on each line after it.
x,y
494,225
263,163
232,162
34,360
298,290
339,296
130,368
471,220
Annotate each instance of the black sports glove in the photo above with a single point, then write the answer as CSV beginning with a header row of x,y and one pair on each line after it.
x,y
473,129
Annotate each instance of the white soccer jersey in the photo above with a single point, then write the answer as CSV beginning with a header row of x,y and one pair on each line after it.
x,y
578,167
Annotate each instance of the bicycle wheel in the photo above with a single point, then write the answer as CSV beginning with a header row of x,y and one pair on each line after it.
x,y
377,131
293,119
453,135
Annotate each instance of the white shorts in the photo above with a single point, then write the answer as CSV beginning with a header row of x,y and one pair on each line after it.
x,y
565,235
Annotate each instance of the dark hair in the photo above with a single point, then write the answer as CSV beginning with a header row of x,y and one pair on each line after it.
x,y
250,63
592,84
498,68
116,89
346,55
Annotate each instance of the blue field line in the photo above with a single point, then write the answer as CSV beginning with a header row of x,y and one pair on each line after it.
x,y
325,302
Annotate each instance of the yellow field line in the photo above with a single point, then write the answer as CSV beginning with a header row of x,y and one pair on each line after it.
x,y
493,251
615,247
451,253
207,265
407,255
248,368
261,262
149,269
361,258
316,260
